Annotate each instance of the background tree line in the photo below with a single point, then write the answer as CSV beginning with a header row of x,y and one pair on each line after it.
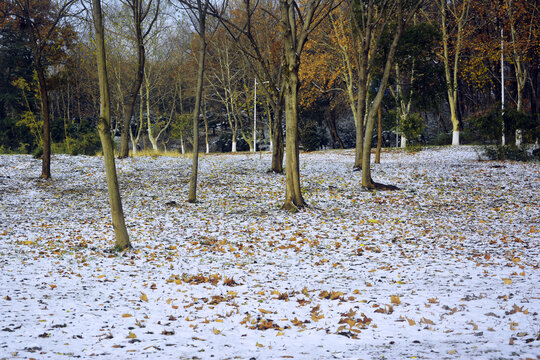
x,y
446,71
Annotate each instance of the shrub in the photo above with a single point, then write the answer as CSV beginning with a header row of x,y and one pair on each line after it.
x,y
412,127
310,136
489,126
510,152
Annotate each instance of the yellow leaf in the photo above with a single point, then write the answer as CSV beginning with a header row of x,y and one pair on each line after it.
x,y
427,321
177,281
452,352
101,276
265,311
507,281
131,335
259,345
394,299
126,315
280,333
216,331
411,322
144,297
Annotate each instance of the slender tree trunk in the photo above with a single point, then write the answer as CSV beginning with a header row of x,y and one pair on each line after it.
x,y
367,181
379,138
104,130
136,85
451,71
206,131
200,77
153,139
45,116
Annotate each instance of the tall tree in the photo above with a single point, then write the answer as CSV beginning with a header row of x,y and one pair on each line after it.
x,y
454,15
296,24
44,22
254,28
139,12
104,130
198,11
371,19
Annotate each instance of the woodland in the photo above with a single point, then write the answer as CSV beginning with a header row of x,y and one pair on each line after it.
x,y
195,179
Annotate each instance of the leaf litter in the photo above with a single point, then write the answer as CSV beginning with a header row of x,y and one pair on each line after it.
x,y
447,267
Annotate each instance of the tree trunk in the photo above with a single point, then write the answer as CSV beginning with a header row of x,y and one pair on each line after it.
x,y
277,142
293,195
367,181
361,103
115,201
200,77
379,138
45,116
331,121
134,91
206,131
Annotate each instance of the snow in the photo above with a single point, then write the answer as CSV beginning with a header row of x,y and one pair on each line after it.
x,y
445,268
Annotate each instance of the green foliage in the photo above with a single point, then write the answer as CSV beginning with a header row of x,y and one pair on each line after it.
x,y
412,127
489,126
311,136
84,144
510,152
181,126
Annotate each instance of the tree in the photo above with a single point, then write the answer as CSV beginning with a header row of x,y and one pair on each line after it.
x,y
48,34
296,25
324,71
198,11
416,71
140,12
452,41
115,200
254,28
224,80
370,22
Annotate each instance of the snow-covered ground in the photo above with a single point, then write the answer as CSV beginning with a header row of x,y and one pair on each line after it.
x,y
447,267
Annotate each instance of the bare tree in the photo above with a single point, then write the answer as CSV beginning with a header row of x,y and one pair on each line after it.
x,y
115,200
140,12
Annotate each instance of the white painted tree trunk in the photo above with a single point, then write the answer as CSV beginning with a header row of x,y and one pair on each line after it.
x,y
403,142
455,138
519,137
207,148
233,146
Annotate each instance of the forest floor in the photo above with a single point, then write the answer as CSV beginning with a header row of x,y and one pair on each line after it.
x,y
445,268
